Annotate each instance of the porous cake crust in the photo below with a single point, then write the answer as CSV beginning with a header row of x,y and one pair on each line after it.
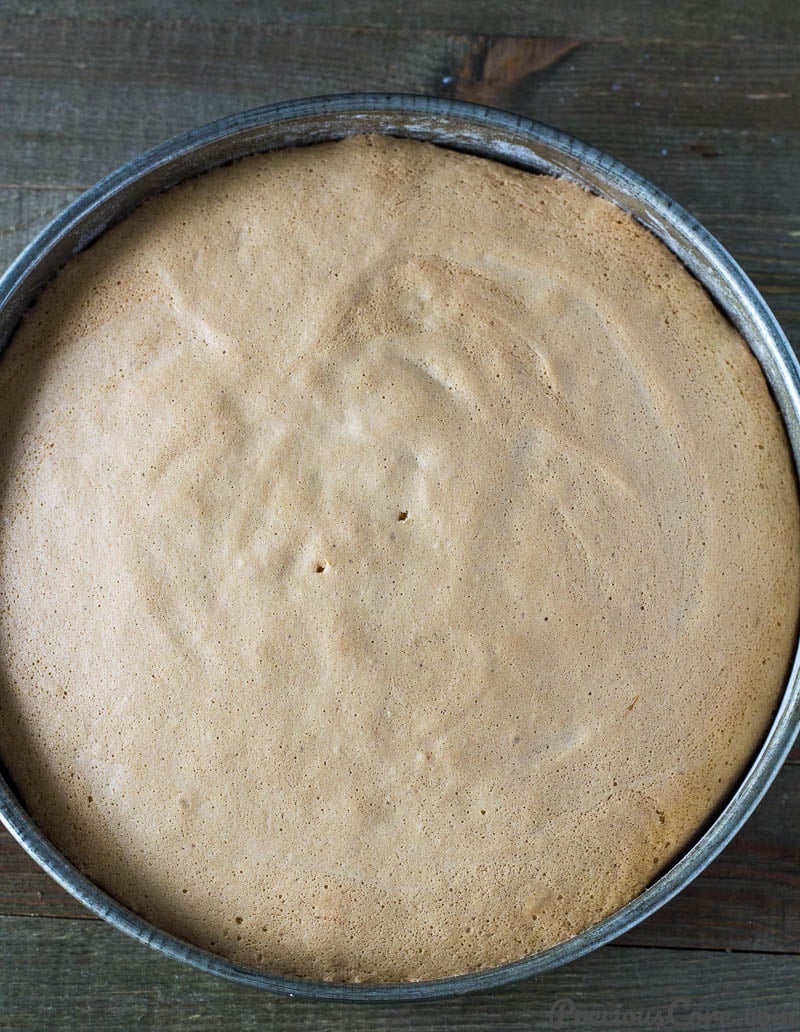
x,y
398,560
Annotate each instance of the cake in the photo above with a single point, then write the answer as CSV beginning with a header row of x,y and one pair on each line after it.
x,y
398,560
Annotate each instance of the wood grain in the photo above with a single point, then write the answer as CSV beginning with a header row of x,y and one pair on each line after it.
x,y
73,976
495,68
676,21
63,88
24,212
26,890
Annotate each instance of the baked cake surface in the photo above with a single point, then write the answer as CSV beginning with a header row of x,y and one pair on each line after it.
x,y
398,560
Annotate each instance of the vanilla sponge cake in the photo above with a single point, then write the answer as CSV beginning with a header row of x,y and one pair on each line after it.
x,y
398,560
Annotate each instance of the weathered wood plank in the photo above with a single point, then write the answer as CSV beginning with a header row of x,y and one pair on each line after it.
x,y
656,79
25,890
69,86
676,21
73,975
23,213
749,898
739,85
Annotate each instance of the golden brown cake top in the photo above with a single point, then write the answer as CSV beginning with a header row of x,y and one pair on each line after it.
x,y
399,560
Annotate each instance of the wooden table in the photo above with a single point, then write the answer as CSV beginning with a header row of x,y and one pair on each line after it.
x,y
702,98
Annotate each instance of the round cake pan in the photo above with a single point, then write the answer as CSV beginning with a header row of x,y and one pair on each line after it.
x,y
516,141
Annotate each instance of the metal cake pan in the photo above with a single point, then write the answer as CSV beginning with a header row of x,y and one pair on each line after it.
x,y
525,144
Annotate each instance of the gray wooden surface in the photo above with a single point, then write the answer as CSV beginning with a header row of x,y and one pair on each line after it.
x,y
700,97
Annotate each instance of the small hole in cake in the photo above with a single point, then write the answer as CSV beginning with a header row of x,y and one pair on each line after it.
x,y
320,567
238,920
402,515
